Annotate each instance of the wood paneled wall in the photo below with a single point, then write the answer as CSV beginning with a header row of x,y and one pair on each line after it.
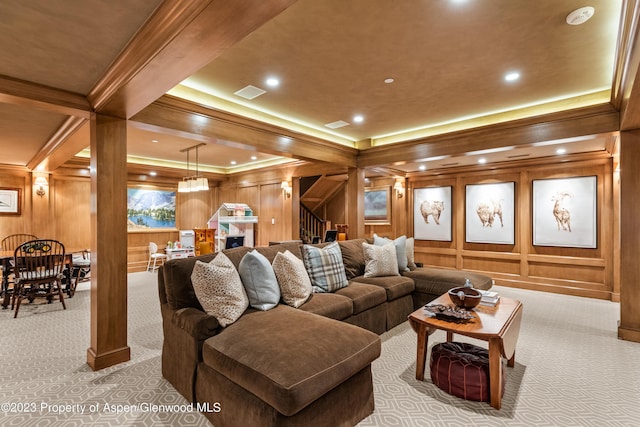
x,y
398,225
574,271
14,224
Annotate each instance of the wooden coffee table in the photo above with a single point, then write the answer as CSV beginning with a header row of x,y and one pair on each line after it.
x,y
499,326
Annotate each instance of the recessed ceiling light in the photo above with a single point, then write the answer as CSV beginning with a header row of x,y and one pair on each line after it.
x,y
233,162
561,150
155,141
580,16
389,80
254,157
422,167
482,160
512,76
272,82
358,119
152,173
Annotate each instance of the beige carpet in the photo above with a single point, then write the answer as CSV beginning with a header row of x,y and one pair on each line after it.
x,y
571,370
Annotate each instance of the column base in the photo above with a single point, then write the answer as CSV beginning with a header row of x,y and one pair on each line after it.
x,y
110,358
628,334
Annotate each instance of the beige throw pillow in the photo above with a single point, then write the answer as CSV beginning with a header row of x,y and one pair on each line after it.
x,y
219,289
380,260
294,282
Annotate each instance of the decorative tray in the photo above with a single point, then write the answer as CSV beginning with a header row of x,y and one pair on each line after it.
x,y
450,313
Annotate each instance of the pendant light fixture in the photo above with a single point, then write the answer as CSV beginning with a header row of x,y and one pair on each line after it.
x,y
196,182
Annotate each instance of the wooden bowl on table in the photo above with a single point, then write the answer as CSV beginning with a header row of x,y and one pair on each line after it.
x,y
465,297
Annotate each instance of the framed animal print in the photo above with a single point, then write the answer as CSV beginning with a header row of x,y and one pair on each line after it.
x,y
565,211
490,213
432,213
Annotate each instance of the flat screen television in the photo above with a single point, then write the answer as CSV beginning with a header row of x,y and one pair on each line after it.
x,y
330,235
234,242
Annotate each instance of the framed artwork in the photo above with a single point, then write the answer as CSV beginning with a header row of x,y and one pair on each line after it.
x,y
377,205
432,213
565,211
490,213
150,209
10,201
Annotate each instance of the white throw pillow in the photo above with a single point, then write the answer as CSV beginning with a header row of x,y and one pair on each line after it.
x,y
400,245
294,282
380,260
219,289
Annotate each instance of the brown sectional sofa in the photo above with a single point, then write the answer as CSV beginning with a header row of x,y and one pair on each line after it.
x,y
288,366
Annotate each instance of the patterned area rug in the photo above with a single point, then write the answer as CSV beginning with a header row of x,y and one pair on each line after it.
x,y
571,370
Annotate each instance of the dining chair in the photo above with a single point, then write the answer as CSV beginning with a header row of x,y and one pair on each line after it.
x,y
10,243
39,268
81,268
155,256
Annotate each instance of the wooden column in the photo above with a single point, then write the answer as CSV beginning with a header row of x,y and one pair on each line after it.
x,y
629,325
108,243
355,206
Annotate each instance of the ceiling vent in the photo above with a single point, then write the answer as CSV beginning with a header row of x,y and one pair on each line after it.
x,y
336,125
250,92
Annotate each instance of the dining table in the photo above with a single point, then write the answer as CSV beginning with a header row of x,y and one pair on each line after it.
x,y
5,260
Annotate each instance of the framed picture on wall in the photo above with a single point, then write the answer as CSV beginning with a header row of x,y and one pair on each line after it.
x,y
10,201
150,209
490,213
432,213
565,212
377,205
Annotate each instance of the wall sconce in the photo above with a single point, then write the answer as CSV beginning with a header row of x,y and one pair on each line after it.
x,y
41,183
399,189
286,189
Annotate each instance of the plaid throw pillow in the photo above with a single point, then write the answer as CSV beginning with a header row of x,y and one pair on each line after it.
x,y
325,267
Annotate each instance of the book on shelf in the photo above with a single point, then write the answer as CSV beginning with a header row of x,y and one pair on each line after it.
x,y
489,298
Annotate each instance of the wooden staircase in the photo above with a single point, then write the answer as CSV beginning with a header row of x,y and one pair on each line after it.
x,y
315,192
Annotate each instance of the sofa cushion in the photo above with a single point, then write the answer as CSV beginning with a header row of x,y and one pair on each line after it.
x,y
219,289
300,359
437,281
353,257
363,296
329,304
380,260
293,280
259,281
324,266
401,251
395,286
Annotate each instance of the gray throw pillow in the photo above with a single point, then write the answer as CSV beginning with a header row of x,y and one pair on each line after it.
x,y
259,281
